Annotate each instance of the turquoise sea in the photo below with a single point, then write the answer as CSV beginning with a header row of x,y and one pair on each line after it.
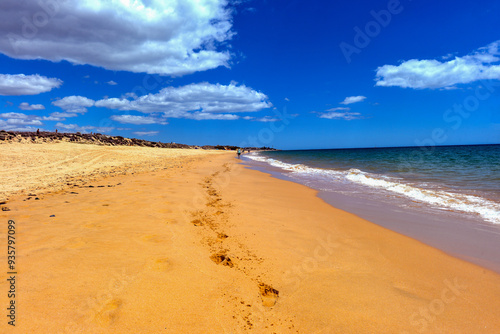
x,y
460,179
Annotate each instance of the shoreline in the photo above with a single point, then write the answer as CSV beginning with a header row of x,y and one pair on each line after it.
x,y
212,246
455,233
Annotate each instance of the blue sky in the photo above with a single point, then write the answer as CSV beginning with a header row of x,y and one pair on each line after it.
x,y
287,74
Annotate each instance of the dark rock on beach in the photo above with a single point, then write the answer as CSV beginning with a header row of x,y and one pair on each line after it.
x,y
100,139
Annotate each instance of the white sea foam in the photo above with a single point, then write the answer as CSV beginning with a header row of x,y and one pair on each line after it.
x,y
488,210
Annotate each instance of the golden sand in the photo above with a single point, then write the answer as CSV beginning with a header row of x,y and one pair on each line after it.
x,y
31,167
213,247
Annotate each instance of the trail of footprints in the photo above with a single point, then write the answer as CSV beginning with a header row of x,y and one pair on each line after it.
x,y
212,219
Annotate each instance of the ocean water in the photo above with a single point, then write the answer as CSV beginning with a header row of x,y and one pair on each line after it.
x,y
447,179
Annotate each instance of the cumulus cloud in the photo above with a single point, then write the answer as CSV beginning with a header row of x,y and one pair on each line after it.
x,y
21,121
112,83
195,101
27,106
145,133
201,116
173,37
338,108
78,128
74,104
60,116
14,121
431,73
353,99
343,112
9,126
14,118
137,120
266,119
24,122
52,118
347,115
20,84
17,115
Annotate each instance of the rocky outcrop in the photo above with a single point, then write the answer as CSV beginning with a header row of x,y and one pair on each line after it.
x,y
98,139
84,138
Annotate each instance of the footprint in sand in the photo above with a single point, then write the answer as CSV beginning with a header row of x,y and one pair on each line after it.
x,y
102,211
154,238
222,236
221,258
75,243
197,222
161,264
407,291
92,225
106,314
268,294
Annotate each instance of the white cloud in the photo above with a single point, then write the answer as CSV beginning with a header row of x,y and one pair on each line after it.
x,y
266,119
201,116
14,118
173,37
348,116
33,119
20,84
353,99
339,108
195,101
138,120
17,115
74,104
20,121
53,118
112,83
421,74
62,115
27,106
145,133
74,127
4,125
84,129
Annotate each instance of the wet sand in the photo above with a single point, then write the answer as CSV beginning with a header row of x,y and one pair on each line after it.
x,y
208,246
457,234
461,235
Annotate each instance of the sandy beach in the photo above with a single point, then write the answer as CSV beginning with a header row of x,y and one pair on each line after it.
x,y
53,166
144,240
